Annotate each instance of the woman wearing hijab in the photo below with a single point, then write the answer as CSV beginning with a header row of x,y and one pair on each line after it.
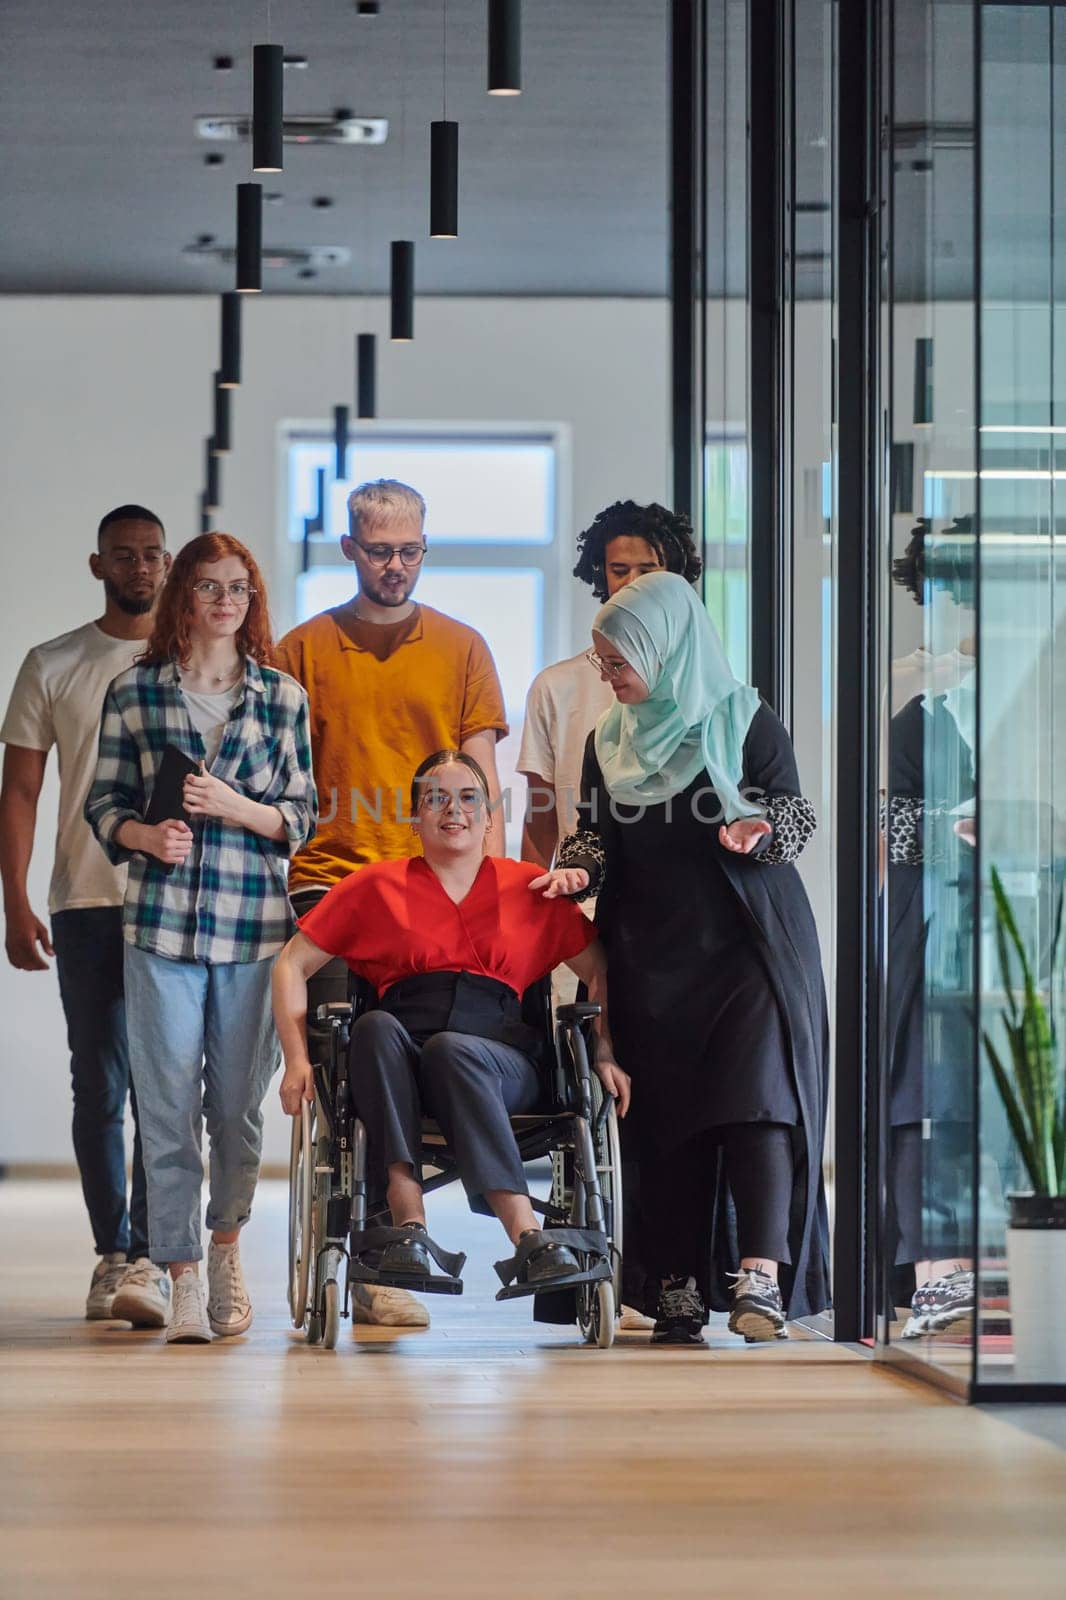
x,y
692,818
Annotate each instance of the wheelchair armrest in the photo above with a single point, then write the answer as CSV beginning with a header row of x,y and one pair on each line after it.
x,y
580,1011
340,1009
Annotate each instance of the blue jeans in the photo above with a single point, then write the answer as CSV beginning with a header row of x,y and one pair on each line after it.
x,y
88,946
202,1049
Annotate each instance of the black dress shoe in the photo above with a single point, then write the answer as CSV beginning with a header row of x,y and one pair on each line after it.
x,y
409,1254
547,1261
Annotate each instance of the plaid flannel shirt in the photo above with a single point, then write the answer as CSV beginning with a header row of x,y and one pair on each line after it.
x,y
228,900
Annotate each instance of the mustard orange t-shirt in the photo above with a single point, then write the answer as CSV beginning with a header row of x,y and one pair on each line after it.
x,y
382,699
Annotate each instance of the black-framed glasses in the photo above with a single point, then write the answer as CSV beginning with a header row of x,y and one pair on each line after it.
x,y
380,555
611,668
239,591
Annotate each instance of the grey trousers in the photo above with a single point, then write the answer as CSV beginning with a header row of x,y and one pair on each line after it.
x,y
469,1086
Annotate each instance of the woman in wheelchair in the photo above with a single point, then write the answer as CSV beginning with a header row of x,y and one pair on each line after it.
x,y
449,940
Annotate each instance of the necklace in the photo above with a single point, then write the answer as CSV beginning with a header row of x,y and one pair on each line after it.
x,y
225,680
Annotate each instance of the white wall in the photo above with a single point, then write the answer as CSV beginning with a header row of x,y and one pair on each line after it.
x,y
108,400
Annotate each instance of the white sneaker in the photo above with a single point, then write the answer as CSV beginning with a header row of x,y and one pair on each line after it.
x,y
228,1306
107,1275
143,1296
387,1308
188,1322
634,1321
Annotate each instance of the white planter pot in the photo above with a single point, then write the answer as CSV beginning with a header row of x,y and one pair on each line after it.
x,y
1036,1262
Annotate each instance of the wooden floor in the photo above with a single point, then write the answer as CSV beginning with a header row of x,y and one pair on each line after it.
x,y
486,1458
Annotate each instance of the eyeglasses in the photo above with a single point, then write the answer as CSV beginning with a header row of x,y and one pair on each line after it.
x,y
239,591
470,800
153,559
380,555
612,668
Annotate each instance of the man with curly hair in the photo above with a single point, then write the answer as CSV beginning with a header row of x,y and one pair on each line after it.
x,y
622,543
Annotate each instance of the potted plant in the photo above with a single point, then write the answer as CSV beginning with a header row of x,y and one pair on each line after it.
x,y
1032,1085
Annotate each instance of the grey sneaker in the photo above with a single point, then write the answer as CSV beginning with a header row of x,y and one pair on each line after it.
x,y
188,1323
229,1309
948,1302
143,1296
107,1276
758,1312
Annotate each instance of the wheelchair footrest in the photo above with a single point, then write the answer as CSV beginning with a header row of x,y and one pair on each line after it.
x,y
597,1274
589,1243
369,1246
357,1273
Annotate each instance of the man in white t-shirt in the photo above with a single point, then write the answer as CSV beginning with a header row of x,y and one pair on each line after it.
x,y
57,700
565,700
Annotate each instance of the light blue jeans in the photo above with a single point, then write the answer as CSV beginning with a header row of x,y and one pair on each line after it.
x,y
202,1049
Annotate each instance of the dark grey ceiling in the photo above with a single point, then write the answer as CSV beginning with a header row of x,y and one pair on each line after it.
x,y
563,190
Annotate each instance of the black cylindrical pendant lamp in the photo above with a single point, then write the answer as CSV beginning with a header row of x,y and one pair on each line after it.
x,y
268,69
402,289
366,376
222,437
205,515
249,238
212,479
444,180
505,46
340,442
229,372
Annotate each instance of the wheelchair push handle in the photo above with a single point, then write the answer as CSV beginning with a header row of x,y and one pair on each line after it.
x,y
579,1011
334,1010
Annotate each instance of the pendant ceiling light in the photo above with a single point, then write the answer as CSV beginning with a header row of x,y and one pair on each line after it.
x,y
340,442
505,46
402,290
221,439
444,157
212,479
205,515
249,238
268,70
366,377
229,372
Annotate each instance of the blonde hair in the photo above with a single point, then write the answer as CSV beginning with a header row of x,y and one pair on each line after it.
x,y
383,501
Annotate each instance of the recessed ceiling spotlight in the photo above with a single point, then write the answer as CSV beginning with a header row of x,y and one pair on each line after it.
x,y
367,8
322,202
205,238
297,63
223,63
273,197
307,272
213,159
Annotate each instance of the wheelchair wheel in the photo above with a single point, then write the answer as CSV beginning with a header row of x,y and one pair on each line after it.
x,y
609,1170
331,1313
301,1196
597,1314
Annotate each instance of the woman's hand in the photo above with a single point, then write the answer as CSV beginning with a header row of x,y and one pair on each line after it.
x,y
297,1085
615,1081
561,881
169,841
742,836
205,796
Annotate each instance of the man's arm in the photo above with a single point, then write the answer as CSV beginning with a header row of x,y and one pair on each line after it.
x,y
540,828
19,794
482,746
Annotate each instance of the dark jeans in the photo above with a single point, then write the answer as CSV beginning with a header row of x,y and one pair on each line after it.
x,y
470,1086
89,950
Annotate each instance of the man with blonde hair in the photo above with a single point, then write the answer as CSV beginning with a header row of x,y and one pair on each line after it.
x,y
389,681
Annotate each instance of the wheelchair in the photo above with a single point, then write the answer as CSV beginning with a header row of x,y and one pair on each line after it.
x,y
330,1208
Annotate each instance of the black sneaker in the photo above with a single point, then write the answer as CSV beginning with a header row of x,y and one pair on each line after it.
x,y
947,1302
680,1314
758,1312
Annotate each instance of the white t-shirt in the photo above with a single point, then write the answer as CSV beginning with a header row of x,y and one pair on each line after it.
x,y
562,707
209,714
57,700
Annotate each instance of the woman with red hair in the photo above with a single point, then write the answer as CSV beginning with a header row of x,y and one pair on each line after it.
x,y
206,909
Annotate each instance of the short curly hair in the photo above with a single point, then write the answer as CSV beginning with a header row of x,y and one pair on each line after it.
x,y
669,534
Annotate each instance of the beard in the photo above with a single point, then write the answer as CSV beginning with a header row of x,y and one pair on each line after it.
x,y
134,605
384,595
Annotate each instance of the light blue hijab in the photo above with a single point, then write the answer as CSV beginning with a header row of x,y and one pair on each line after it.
x,y
697,715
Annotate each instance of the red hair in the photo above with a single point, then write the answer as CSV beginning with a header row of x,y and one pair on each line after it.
x,y
169,639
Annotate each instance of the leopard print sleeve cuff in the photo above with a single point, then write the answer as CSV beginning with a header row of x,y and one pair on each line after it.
x,y
584,849
794,823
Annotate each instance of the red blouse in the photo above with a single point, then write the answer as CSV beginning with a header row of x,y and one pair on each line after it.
x,y
392,919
